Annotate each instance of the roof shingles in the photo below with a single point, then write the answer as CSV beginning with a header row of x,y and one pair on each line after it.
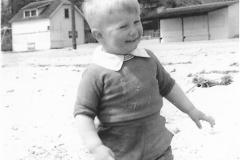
x,y
50,6
37,4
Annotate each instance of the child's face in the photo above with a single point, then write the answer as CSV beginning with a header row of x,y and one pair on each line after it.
x,y
121,32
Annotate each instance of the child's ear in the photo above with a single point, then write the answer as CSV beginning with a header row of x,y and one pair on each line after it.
x,y
97,34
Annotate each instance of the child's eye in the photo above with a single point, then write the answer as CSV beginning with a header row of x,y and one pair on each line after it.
x,y
123,26
137,21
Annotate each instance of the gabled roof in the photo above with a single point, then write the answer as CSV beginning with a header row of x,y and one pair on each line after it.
x,y
37,4
189,10
48,6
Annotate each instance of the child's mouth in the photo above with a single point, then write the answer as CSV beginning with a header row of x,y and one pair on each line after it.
x,y
131,41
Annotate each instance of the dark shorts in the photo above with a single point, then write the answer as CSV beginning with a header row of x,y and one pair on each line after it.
x,y
143,139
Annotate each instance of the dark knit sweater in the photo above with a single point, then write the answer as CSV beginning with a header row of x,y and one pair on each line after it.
x,y
133,92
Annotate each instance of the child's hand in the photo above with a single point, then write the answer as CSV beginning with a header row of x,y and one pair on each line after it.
x,y
197,115
102,152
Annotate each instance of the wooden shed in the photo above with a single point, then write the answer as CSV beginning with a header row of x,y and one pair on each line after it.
x,y
44,25
219,20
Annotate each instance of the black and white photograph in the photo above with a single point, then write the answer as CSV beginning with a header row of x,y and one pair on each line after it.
x,y
119,80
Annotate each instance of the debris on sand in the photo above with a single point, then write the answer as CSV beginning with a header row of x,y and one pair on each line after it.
x,y
171,63
10,91
174,70
57,152
203,72
234,64
206,83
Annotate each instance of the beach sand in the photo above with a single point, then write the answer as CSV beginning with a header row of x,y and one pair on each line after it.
x,y
38,91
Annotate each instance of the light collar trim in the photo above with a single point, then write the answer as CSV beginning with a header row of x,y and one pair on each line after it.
x,y
114,61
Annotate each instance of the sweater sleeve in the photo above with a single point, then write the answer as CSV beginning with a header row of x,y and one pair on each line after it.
x,y
165,81
89,94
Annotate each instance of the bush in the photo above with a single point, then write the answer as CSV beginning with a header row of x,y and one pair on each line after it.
x,y
6,39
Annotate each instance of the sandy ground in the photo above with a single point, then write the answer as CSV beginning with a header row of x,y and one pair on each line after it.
x,y
38,91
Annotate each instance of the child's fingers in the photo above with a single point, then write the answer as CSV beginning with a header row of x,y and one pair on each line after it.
x,y
209,119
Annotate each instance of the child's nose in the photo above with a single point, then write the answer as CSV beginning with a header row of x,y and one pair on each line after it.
x,y
133,32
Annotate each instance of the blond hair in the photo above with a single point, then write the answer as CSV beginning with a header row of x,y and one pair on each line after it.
x,y
95,10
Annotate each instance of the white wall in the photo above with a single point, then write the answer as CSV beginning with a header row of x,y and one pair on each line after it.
x,y
28,35
61,26
195,28
171,30
80,28
223,23
218,24
233,20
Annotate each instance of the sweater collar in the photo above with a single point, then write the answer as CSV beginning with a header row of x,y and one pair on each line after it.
x,y
114,61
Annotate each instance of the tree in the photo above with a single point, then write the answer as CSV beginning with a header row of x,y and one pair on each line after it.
x,y
181,3
5,13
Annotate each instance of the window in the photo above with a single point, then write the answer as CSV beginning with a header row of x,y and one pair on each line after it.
x,y
27,14
70,34
66,13
33,13
31,46
30,13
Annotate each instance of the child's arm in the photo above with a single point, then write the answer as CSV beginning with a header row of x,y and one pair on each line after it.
x,y
180,100
90,137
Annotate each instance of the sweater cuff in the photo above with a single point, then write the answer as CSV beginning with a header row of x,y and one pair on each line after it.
x,y
84,111
168,88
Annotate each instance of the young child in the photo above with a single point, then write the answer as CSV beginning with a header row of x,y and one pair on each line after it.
x,y
124,87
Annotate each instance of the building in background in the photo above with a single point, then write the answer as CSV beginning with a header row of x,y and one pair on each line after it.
x,y
44,25
219,20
